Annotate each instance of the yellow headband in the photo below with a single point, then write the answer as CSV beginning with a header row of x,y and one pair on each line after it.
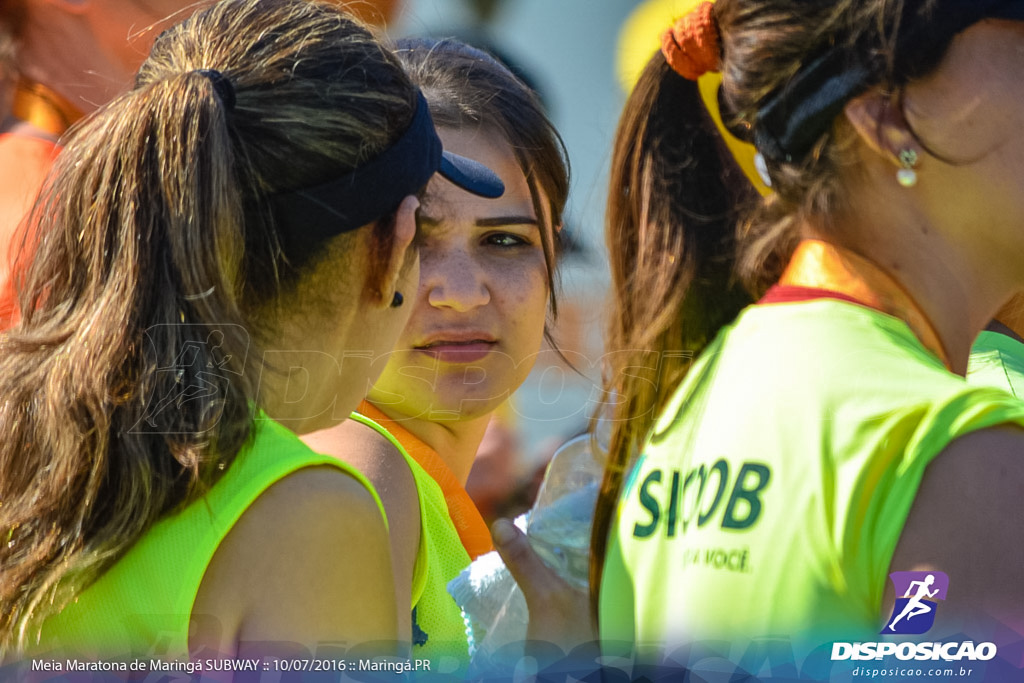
x,y
639,39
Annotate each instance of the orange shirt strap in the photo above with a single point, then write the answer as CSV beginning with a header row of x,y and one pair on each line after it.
x,y
472,529
24,164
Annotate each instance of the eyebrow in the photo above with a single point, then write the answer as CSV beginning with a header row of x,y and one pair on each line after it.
x,y
505,220
491,222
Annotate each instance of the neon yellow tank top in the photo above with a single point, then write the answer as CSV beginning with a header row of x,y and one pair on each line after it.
x,y
141,606
439,631
773,491
997,361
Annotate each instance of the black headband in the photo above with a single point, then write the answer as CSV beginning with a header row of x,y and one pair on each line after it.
x,y
794,118
306,218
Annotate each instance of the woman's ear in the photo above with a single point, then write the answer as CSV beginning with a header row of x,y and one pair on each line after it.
x,y
399,269
878,120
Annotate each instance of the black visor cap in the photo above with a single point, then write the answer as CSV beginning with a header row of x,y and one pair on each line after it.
x,y
306,218
1011,9
471,176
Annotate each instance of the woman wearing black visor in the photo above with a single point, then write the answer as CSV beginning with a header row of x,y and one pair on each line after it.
x,y
222,251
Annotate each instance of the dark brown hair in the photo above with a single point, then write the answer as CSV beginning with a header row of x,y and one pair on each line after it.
x,y
683,229
152,243
467,87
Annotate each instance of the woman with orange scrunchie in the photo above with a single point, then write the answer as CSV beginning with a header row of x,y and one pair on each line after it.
x,y
824,437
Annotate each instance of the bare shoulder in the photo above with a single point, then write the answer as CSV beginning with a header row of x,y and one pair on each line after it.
x,y
369,452
308,561
316,501
965,521
378,459
386,468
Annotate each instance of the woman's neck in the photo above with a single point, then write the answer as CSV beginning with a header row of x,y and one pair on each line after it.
x,y
945,276
949,301
456,441
821,265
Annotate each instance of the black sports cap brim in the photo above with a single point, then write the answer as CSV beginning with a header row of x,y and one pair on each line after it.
x,y
471,176
1008,10
307,217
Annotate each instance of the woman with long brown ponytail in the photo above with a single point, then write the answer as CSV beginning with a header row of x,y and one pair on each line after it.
x,y
820,452
218,258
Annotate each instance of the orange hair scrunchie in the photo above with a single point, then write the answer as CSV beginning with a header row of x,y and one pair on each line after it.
x,y
691,46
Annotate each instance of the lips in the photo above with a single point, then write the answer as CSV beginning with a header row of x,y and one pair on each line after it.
x,y
458,347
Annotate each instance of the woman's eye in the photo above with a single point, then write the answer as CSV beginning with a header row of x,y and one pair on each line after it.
x,y
505,239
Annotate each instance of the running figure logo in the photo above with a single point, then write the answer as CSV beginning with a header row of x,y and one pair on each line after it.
x,y
914,612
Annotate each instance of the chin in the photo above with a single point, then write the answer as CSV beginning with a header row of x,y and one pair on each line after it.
x,y
447,406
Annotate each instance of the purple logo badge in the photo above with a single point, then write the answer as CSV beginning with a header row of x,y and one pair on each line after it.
x,y
917,596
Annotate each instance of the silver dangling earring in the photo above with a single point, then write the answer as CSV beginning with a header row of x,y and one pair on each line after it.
x,y
397,300
906,175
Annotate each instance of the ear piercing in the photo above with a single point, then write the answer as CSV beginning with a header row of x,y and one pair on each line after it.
x,y
906,175
397,300
762,169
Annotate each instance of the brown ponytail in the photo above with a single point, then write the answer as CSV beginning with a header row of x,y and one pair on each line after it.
x,y
673,204
682,223
129,385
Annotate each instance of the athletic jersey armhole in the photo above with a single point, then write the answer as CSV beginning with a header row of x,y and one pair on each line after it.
x,y
147,596
971,410
419,572
283,462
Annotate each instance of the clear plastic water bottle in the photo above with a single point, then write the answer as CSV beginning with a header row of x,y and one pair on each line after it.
x,y
560,521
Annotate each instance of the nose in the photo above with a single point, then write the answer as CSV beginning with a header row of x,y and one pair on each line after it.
x,y
454,281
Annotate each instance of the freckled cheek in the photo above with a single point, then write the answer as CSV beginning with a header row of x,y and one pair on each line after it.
x,y
524,309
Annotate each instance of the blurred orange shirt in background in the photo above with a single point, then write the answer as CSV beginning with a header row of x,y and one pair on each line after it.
x,y
24,163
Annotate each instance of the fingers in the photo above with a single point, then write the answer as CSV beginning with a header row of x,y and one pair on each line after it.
x,y
533,576
559,613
